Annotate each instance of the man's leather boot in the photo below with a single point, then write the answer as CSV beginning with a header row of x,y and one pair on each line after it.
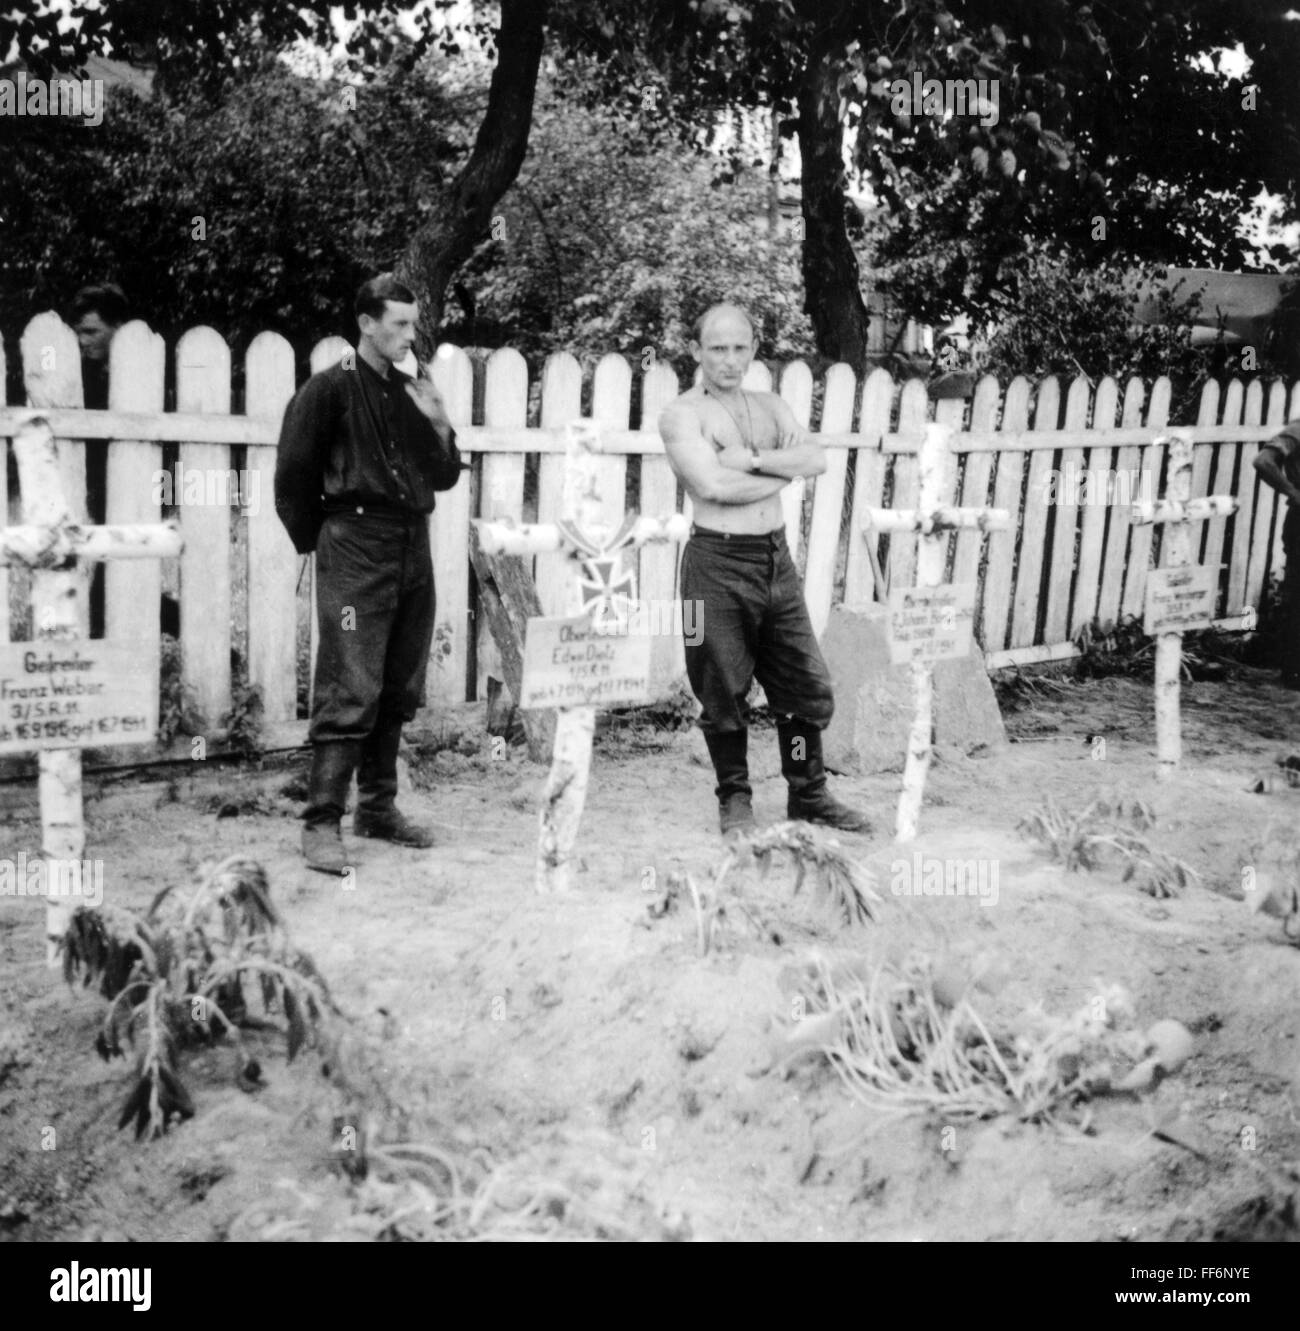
x,y
332,765
808,799
377,814
730,753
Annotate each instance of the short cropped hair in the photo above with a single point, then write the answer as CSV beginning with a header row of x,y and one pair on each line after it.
x,y
106,299
697,333
371,295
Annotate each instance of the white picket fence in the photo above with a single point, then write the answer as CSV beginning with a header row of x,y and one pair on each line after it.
x,y
1060,566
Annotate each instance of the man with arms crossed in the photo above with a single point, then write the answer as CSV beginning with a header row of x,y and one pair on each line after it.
x,y
735,451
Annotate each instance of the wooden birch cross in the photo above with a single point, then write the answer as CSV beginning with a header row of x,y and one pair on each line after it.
x,y
580,661
52,543
1181,595
934,620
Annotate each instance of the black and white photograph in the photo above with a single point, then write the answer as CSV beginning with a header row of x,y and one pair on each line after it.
x,y
650,621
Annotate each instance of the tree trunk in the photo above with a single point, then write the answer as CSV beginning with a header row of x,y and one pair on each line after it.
x,y
833,296
439,247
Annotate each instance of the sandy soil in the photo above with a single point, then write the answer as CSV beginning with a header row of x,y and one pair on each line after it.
x,y
582,1036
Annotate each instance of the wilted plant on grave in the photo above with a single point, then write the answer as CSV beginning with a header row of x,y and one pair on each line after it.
x,y
192,969
841,887
901,1039
417,1193
1083,840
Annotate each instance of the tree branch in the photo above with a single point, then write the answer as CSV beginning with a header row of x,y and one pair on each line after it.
x,y
440,246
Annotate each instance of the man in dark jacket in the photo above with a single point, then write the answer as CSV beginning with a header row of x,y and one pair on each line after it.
x,y
1278,464
363,449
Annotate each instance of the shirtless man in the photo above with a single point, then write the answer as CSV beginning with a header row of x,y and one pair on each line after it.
x,y
735,451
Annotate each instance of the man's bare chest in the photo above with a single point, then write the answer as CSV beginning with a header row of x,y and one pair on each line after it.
x,y
748,423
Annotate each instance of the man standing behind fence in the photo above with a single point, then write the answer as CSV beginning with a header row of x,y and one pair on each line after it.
x,y
1278,465
363,449
735,452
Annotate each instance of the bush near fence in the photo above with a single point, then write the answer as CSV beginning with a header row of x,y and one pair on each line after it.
x,y
245,596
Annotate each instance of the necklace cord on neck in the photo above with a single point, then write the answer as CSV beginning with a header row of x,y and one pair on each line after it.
x,y
746,439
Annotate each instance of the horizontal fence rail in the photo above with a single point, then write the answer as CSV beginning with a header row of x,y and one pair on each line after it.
x,y
1065,458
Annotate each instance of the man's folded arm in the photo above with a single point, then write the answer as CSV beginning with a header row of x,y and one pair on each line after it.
x,y
693,459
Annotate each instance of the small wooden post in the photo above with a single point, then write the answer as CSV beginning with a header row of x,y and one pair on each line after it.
x,y
933,520
1176,510
565,792
594,547
508,597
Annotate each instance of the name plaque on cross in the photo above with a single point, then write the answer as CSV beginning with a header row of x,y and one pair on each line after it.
x,y
572,663
1179,599
931,623
75,694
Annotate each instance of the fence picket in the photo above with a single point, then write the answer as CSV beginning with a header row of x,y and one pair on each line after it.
x,y
203,385
659,563
561,402
611,407
1031,571
132,591
828,499
796,391
975,481
912,413
868,485
1203,454
1092,518
501,492
995,608
950,411
1065,529
1128,462
272,560
1244,487
1225,456
452,373
1141,544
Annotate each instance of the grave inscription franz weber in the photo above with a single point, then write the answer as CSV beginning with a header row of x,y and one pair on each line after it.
x,y
73,694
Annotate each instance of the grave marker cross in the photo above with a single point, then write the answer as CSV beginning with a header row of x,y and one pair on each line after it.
x,y
1176,510
933,520
51,543
602,598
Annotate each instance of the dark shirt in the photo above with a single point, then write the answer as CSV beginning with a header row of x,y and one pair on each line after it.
x,y
1286,443
351,438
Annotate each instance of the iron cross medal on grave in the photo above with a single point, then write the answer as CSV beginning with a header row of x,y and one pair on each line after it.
x,y
607,593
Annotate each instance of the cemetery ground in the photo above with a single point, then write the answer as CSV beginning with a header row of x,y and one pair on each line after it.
x,y
624,1085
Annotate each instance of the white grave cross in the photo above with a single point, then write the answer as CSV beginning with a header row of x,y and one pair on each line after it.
x,y
599,599
51,542
1180,595
933,520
